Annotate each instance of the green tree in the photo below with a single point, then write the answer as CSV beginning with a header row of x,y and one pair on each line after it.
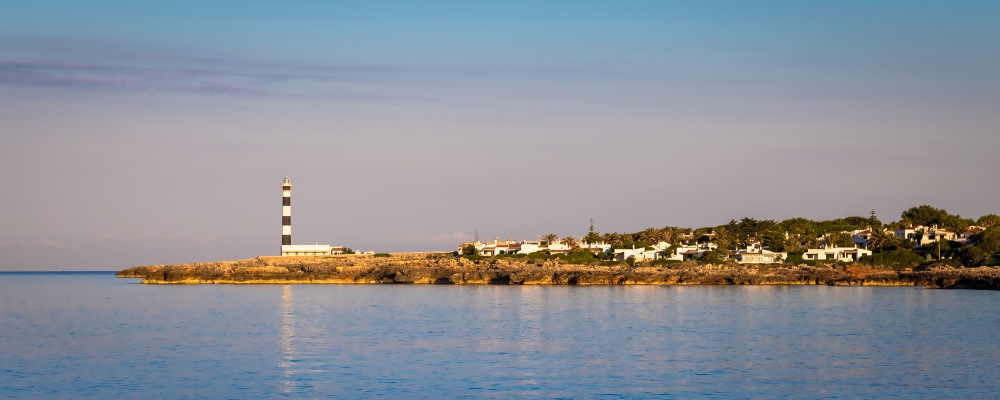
x,y
989,240
924,215
469,250
592,237
571,242
880,239
724,238
550,238
927,216
669,234
988,221
840,239
873,222
649,235
774,239
857,222
798,226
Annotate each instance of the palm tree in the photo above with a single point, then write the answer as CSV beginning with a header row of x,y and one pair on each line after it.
x,y
670,234
648,236
722,237
616,239
550,238
570,241
627,239
607,238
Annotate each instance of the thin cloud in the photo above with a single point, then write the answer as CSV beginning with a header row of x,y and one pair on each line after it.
x,y
49,243
239,78
4,243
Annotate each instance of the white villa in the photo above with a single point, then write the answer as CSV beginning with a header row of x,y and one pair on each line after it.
x,y
930,234
510,246
965,236
755,254
680,253
845,254
640,254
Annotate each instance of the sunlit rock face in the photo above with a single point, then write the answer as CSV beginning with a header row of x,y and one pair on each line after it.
x,y
444,269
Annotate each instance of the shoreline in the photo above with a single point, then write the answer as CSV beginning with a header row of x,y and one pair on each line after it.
x,y
436,268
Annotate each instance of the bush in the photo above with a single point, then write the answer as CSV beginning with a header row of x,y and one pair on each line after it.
x,y
381,254
579,256
713,257
895,259
540,255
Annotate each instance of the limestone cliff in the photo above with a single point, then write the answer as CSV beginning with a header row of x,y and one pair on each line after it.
x,y
439,269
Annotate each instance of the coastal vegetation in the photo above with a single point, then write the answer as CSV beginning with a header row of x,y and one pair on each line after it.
x,y
794,236
900,255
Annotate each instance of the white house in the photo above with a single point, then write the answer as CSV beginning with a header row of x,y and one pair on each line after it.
x,y
966,236
531,246
845,254
860,237
497,247
558,248
597,247
754,254
930,234
640,254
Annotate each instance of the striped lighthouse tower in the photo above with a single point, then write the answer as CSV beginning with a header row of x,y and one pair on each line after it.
x,y
286,212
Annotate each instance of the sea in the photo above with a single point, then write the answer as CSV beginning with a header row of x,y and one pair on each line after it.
x,y
92,335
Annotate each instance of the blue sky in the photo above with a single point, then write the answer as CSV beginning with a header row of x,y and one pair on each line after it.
x,y
147,133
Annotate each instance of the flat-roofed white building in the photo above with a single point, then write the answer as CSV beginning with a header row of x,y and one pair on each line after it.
x,y
845,254
310,250
756,254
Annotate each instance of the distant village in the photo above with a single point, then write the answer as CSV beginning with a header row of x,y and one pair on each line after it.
x,y
923,233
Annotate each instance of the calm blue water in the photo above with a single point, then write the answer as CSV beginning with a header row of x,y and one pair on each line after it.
x,y
97,336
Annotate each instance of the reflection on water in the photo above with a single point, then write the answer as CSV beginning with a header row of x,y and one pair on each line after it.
x,y
101,337
288,385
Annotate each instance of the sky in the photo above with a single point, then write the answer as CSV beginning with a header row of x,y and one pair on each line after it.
x,y
139,133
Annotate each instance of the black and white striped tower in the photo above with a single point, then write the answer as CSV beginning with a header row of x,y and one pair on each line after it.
x,y
286,212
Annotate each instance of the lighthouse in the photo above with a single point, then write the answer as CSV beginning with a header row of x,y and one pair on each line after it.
x,y
286,212
289,249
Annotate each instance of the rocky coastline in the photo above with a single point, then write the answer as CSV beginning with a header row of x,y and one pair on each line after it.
x,y
428,268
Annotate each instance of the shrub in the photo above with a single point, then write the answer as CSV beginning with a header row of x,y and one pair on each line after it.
x,y
895,259
540,255
381,254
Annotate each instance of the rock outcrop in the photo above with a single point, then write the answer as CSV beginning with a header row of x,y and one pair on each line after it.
x,y
443,269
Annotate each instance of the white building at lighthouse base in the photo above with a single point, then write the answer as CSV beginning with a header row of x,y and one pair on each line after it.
x,y
310,250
